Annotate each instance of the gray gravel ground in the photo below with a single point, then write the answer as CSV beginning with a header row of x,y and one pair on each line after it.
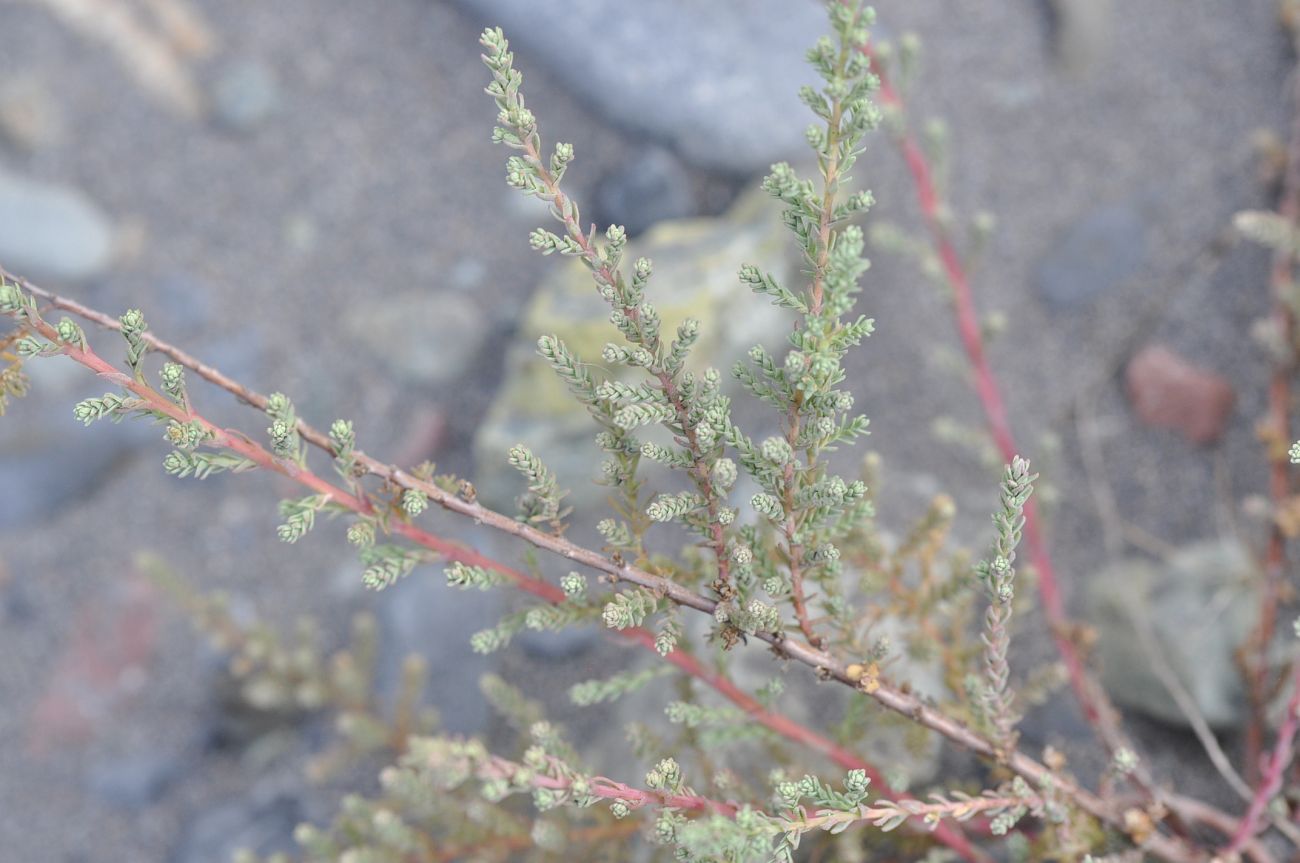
x,y
369,177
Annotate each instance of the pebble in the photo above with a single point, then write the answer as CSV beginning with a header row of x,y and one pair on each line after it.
x,y
1198,606
183,306
425,337
51,233
47,458
1167,391
467,274
565,644
244,95
650,187
1081,32
421,615
706,98
1093,256
261,823
136,781
29,118
46,477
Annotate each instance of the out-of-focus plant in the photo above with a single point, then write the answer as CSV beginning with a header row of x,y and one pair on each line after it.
x,y
798,565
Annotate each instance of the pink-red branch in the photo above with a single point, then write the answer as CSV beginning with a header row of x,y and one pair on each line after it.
x,y
608,789
990,397
1271,780
1281,283
449,549
897,700
1089,695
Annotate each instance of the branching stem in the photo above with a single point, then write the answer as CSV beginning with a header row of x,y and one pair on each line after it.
x,y
894,699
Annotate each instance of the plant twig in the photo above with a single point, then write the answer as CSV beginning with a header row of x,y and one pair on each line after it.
x,y
1198,812
552,775
1178,692
1270,782
524,841
793,420
828,667
1091,697
453,551
1281,283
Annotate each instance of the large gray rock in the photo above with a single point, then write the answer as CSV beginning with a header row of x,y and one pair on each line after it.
x,y
1195,609
679,70
649,188
695,266
50,232
244,95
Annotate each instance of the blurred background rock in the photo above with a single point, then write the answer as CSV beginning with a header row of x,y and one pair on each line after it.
x,y
302,194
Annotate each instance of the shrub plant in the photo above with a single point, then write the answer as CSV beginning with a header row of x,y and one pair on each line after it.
x,y
797,566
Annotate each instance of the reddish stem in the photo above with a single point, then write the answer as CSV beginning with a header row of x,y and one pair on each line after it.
x,y
990,396
1089,695
449,549
1279,413
1271,781
899,701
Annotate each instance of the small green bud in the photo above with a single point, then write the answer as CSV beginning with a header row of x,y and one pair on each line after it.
x,y
768,505
543,241
175,463
1125,761
71,334
777,450
281,434
1002,824
173,378
29,346
132,321
574,585
361,534
666,775
414,502
789,794
342,436
766,618
12,299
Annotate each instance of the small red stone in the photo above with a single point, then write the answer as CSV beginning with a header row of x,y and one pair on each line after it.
x,y
104,664
1167,391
